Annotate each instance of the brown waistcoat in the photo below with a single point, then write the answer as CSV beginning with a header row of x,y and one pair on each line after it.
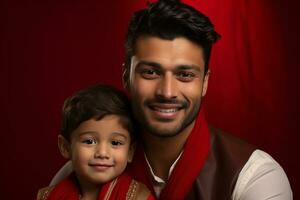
x,y
217,179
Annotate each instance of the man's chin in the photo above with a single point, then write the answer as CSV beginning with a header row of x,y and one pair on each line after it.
x,y
168,128
163,132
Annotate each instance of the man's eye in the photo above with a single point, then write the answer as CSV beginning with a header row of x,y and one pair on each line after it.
x,y
89,141
149,73
186,76
116,143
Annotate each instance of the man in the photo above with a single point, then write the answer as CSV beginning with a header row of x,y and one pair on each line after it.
x,y
166,73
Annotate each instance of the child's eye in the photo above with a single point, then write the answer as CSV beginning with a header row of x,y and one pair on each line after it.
x,y
89,141
116,143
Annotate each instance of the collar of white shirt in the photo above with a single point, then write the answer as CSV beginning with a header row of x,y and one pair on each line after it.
x,y
159,183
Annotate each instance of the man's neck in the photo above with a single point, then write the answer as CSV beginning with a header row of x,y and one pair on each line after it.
x,y
162,152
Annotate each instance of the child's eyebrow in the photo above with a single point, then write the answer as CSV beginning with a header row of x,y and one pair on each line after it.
x,y
87,132
120,134
95,133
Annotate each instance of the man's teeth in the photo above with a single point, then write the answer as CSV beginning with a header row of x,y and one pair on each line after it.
x,y
169,110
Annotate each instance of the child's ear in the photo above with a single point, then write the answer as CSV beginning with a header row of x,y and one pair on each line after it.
x,y
64,147
131,151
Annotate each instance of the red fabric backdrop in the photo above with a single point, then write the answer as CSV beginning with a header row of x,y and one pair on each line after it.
x,y
49,49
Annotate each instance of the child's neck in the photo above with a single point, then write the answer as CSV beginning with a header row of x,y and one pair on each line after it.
x,y
90,194
89,191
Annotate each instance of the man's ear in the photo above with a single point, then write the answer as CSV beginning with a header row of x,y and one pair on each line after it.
x,y
64,147
205,83
131,152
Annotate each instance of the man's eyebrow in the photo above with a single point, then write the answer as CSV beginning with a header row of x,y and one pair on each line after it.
x,y
159,66
148,63
188,67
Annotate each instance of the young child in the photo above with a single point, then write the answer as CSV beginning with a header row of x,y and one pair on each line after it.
x,y
97,136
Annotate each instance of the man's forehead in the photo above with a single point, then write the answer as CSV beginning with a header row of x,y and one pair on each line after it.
x,y
149,40
177,51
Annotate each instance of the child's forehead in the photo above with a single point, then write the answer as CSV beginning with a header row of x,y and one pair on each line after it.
x,y
109,125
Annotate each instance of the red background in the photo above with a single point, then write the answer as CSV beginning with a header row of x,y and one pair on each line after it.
x,y
49,49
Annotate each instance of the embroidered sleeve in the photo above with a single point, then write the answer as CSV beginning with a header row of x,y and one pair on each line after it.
x,y
138,191
44,193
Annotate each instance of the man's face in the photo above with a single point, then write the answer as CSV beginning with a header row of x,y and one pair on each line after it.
x,y
167,82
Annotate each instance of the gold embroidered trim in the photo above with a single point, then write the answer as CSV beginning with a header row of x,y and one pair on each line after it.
x,y
131,194
110,189
44,193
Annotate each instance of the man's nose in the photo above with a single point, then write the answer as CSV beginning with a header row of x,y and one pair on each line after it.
x,y
102,151
167,87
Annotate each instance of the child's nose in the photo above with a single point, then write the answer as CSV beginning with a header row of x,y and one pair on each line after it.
x,y
102,151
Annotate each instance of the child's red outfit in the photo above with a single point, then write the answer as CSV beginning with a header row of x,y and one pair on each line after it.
x,y
121,188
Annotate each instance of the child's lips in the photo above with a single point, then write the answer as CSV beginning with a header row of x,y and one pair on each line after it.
x,y
101,167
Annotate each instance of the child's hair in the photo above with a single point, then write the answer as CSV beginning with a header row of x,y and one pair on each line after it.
x,y
95,102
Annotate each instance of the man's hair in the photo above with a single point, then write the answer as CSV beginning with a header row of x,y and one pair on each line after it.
x,y
95,102
169,19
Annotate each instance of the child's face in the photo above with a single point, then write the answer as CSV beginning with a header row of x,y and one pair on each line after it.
x,y
100,149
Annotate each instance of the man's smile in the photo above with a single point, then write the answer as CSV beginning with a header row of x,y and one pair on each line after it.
x,y
165,111
169,110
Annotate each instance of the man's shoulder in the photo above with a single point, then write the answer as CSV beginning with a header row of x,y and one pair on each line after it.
x,y
257,174
230,143
227,156
216,132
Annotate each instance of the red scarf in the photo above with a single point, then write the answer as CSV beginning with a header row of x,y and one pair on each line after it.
x,y
68,189
188,167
